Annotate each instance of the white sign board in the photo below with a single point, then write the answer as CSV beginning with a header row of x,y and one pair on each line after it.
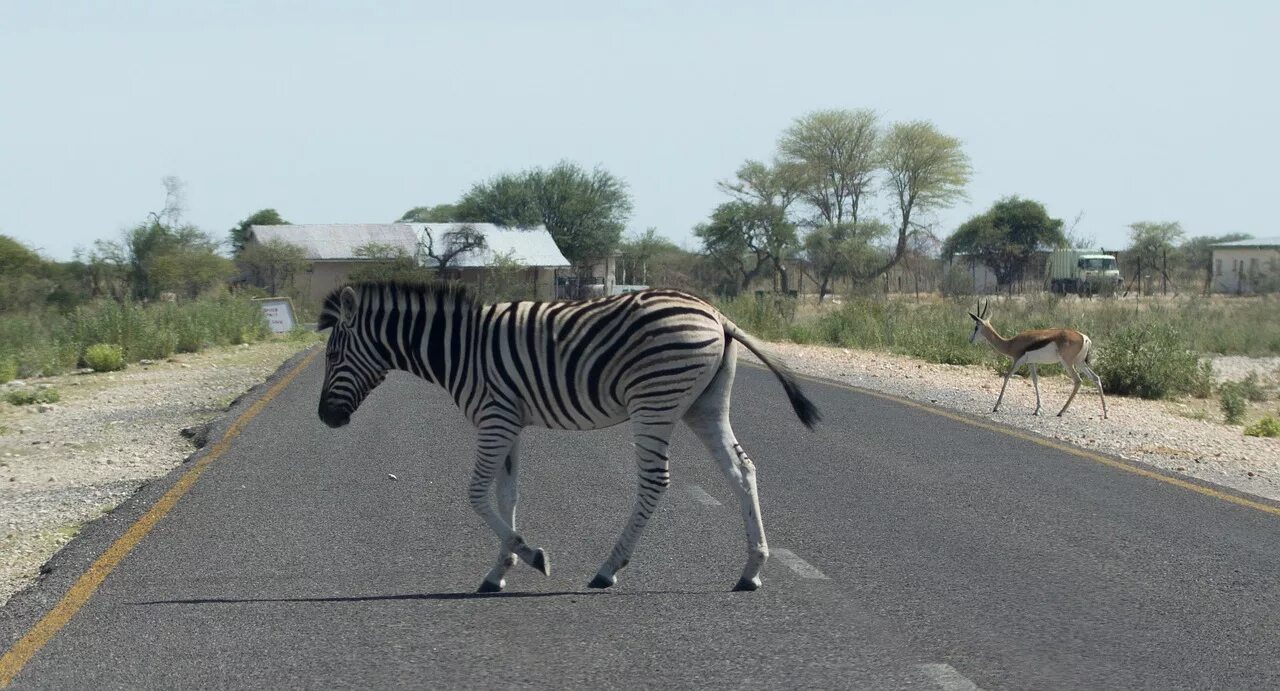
x,y
279,314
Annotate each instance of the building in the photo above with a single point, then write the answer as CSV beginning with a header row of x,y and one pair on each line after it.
x,y
1247,266
529,256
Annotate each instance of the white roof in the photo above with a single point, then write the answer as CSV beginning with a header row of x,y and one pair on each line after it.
x,y
336,241
528,247
340,240
1255,242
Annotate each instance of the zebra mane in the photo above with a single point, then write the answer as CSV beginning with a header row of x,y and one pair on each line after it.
x,y
449,293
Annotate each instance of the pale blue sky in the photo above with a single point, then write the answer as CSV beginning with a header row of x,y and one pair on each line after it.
x,y
354,112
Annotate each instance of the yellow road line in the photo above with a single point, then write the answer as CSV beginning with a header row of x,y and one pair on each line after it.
x,y
1052,444
17,657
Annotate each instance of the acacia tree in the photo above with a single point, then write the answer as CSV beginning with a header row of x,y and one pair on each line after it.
x,y
747,239
1197,253
584,211
834,152
845,249
239,235
1006,236
926,171
440,213
272,265
453,243
1150,242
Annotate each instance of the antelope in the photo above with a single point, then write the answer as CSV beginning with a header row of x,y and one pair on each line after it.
x,y
1040,346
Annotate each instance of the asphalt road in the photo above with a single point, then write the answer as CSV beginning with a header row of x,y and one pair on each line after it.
x,y
911,550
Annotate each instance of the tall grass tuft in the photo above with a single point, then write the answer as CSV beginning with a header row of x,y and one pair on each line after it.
x,y
51,342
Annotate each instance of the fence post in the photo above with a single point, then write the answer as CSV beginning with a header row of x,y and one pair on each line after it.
x,y
1164,270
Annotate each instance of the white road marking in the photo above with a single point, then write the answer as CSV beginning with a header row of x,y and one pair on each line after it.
x,y
800,566
947,678
702,496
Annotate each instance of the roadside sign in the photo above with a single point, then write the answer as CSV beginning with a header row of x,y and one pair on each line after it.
x,y
279,313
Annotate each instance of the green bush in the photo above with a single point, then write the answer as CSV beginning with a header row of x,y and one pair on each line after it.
x,y
1151,360
28,396
1251,389
1268,426
1233,403
104,357
8,369
49,342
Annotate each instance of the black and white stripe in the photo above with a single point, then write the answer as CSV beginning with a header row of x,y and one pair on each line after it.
x,y
652,358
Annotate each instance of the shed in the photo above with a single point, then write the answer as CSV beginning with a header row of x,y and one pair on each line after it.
x,y
530,255
1247,266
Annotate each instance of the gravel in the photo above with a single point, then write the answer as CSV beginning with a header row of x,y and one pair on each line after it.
x,y
109,433
1164,434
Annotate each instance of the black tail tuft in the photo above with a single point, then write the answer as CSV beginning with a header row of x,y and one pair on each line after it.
x,y
805,409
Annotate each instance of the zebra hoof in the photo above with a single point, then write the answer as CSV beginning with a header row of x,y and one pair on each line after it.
x,y
747,584
490,587
601,581
540,562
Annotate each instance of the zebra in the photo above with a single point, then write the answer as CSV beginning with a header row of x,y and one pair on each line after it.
x,y
652,357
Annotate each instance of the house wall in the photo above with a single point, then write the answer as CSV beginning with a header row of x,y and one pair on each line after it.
x,y
323,277
1236,268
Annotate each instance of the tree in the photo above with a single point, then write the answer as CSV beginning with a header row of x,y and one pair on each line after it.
x,y
1150,244
1007,236
440,213
453,244
778,185
747,239
843,250
239,235
24,281
106,270
835,154
926,171
272,265
388,263
1197,253
585,212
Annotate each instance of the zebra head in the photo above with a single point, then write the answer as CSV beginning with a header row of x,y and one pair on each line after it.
x,y
354,364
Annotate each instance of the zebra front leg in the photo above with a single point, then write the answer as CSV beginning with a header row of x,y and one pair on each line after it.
x,y
494,445
508,496
654,475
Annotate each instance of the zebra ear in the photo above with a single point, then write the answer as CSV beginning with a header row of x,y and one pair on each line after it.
x,y
347,306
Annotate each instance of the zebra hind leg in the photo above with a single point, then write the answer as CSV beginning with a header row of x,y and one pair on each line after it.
x,y
493,450
508,495
709,419
652,441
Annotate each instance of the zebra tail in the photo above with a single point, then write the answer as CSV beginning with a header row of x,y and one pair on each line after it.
x,y
805,409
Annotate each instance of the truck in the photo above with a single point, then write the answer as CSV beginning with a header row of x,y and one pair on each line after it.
x,y
1083,272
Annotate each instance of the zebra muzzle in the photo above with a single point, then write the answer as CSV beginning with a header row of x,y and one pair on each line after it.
x,y
334,417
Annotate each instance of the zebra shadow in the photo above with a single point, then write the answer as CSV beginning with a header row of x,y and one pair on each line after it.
x,y
416,596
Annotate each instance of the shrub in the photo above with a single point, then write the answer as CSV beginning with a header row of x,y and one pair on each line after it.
x,y
1150,360
104,357
1251,389
8,369
1233,403
28,396
1268,426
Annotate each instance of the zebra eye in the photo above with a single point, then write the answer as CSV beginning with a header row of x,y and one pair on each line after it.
x,y
331,356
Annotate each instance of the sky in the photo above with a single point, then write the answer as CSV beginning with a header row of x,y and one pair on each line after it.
x,y
1110,112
